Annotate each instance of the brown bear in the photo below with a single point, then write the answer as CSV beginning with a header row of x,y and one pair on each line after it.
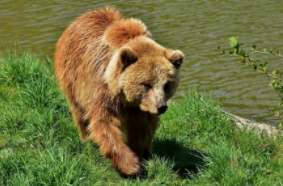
x,y
117,81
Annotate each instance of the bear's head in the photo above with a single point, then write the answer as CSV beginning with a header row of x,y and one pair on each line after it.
x,y
144,74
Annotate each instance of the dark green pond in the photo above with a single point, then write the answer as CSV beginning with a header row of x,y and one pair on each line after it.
x,y
196,27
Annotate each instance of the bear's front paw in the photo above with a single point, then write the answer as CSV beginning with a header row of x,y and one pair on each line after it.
x,y
127,163
132,166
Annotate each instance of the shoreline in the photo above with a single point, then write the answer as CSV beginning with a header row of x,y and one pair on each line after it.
x,y
250,125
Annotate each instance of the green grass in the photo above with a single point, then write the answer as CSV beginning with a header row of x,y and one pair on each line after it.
x,y
196,143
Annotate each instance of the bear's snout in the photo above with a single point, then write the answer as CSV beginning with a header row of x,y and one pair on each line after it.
x,y
162,109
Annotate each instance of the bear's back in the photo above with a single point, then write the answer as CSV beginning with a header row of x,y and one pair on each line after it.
x,y
84,50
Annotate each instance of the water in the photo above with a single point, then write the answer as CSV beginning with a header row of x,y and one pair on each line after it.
x,y
196,27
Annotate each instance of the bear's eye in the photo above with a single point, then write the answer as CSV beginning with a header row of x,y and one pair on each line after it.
x,y
147,85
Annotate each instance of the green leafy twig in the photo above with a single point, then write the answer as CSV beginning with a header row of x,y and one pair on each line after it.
x,y
274,76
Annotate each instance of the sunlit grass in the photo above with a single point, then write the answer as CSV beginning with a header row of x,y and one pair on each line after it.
x,y
196,143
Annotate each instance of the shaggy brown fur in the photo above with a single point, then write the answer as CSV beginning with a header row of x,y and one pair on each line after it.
x,y
117,81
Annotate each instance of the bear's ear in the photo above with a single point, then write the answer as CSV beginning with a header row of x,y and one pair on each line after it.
x,y
127,57
176,58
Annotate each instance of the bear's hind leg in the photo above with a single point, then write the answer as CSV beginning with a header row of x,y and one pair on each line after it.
x,y
81,123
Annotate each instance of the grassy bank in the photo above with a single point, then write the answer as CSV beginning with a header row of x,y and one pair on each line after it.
x,y
196,144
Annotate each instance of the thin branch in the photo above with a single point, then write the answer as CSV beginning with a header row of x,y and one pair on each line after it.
x,y
256,51
268,75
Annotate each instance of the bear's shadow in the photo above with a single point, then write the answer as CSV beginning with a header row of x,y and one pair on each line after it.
x,y
186,161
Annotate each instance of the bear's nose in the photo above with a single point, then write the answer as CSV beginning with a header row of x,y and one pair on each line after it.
x,y
162,109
